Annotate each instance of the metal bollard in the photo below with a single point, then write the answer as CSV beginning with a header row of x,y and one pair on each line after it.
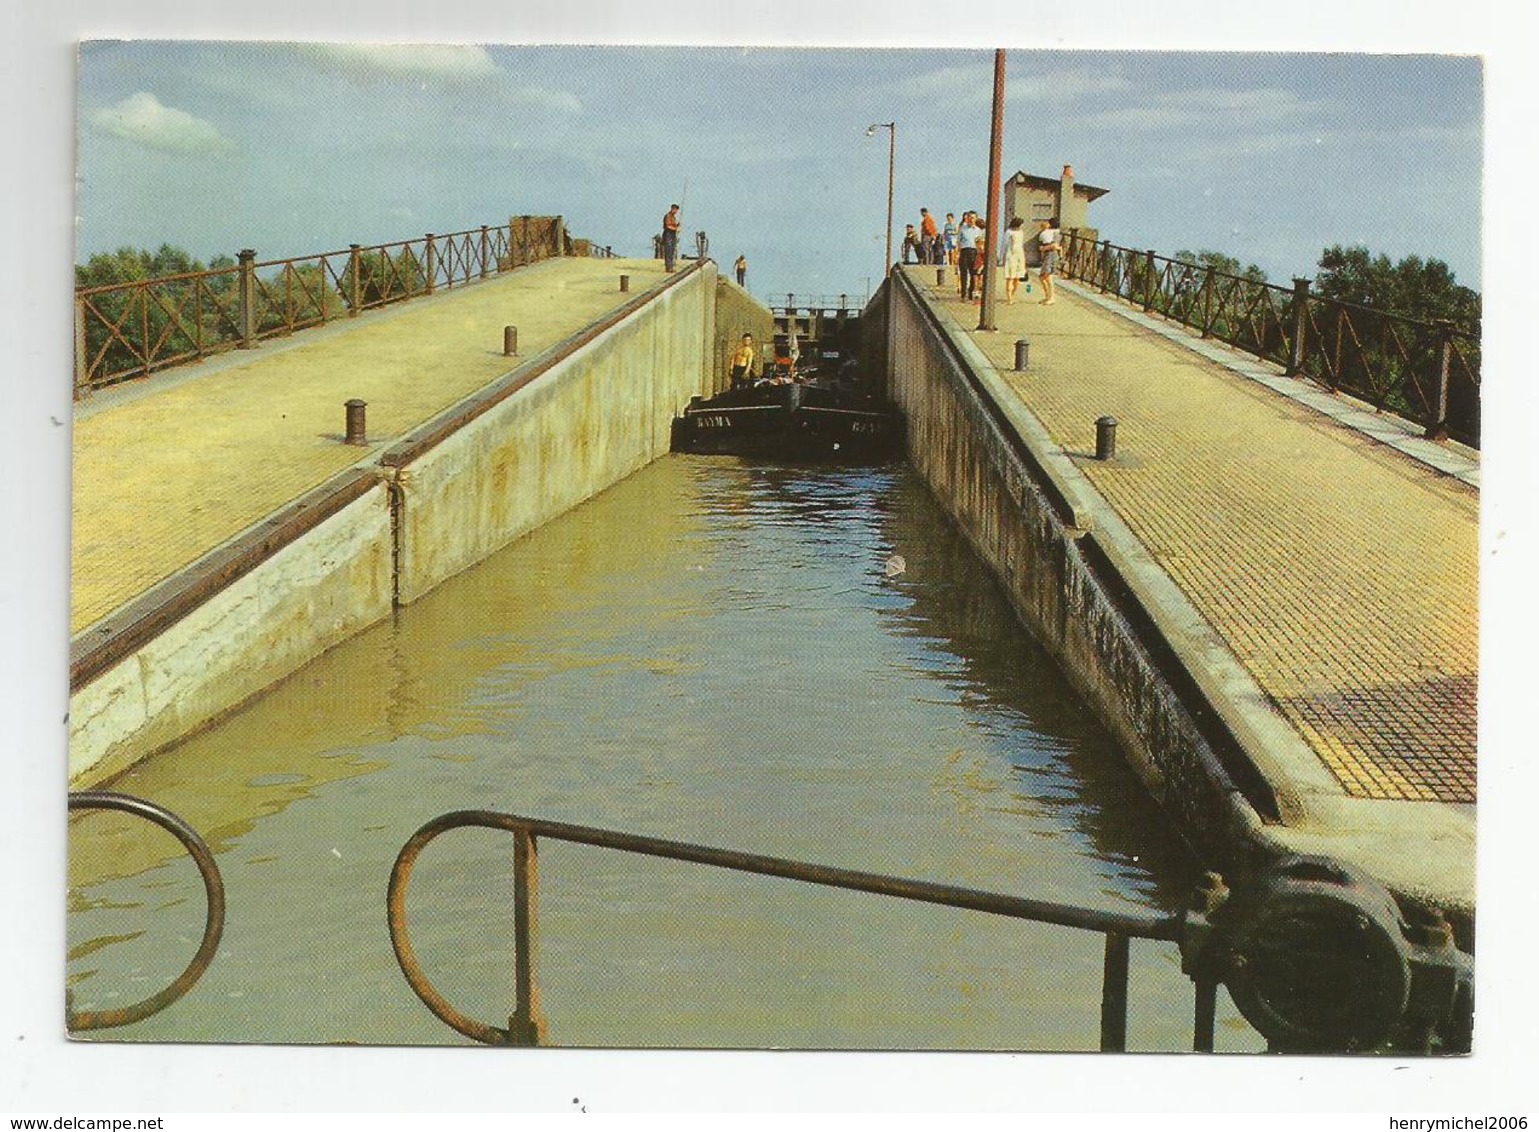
x,y
355,423
940,276
625,282
1105,438
509,341
1022,352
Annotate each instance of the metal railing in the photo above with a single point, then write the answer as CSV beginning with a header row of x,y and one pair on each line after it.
x,y
1426,371
828,305
127,330
213,920
527,1025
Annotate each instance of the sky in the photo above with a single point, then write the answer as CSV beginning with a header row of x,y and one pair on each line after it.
x,y
296,148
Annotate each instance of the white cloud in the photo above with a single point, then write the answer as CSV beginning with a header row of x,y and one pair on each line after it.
x,y
974,84
1207,107
141,118
543,98
1065,85
440,62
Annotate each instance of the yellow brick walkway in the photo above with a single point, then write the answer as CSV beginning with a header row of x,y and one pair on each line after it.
x,y
1342,574
169,470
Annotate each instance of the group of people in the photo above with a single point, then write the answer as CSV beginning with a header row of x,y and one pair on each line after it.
x,y
776,371
669,249
963,246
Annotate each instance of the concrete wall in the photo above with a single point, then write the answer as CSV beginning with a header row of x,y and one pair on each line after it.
x,y
568,424
587,422
737,313
311,594
1032,525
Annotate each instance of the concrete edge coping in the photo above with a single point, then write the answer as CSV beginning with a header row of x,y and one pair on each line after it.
x,y
111,638
1069,492
1452,459
438,428
1317,813
141,619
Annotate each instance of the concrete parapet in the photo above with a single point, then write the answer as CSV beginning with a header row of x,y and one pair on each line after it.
x,y
1029,525
566,424
276,601
1239,781
553,433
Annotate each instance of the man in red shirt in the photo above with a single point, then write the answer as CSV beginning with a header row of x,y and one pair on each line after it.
x,y
670,236
928,238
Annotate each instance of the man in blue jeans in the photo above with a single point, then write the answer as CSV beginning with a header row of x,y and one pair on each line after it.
x,y
670,236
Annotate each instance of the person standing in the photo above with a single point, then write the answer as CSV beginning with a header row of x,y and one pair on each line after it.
x,y
911,243
928,237
967,253
741,267
1049,245
949,237
1015,257
670,236
742,362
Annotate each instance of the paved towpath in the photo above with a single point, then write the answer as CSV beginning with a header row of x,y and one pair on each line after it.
x,y
1340,571
168,467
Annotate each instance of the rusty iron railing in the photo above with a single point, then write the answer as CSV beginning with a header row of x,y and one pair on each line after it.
x,y
829,304
1428,372
527,1024
128,330
213,921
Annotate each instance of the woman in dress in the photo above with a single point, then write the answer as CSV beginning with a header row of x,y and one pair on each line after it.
x,y
1015,257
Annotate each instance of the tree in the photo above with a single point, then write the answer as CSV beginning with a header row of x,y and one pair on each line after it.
x,y
1393,351
1225,264
133,329
1414,287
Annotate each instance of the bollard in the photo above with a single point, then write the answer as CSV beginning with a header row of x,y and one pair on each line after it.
x,y
1022,351
355,423
625,283
940,276
509,341
1105,438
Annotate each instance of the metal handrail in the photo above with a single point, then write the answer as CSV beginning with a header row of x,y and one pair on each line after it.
x,y
134,328
213,923
1408,365
527,1024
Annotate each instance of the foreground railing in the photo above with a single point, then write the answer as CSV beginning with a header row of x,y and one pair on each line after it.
x,y
1426,371
126,330
1316,956
527,1025
213,919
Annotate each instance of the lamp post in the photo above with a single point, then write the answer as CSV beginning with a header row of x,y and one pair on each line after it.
x,y
892,162
993,221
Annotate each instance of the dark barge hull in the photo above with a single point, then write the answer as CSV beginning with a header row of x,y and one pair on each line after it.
x,y
793,422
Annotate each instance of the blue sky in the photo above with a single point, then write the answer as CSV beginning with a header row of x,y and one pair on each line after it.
x,y
294,148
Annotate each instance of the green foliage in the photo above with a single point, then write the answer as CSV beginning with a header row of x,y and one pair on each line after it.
x,y
1414,287
1395,362
129,265
135,329
1225,264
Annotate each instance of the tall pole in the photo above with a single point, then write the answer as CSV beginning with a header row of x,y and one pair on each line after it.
x,y
892,166
991,227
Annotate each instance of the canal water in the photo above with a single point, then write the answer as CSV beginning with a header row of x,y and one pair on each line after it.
x,y
797,662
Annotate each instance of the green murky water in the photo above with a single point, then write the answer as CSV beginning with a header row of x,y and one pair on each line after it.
x,y
711,651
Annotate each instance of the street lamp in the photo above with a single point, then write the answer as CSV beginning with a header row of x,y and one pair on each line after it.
x,y
892,158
